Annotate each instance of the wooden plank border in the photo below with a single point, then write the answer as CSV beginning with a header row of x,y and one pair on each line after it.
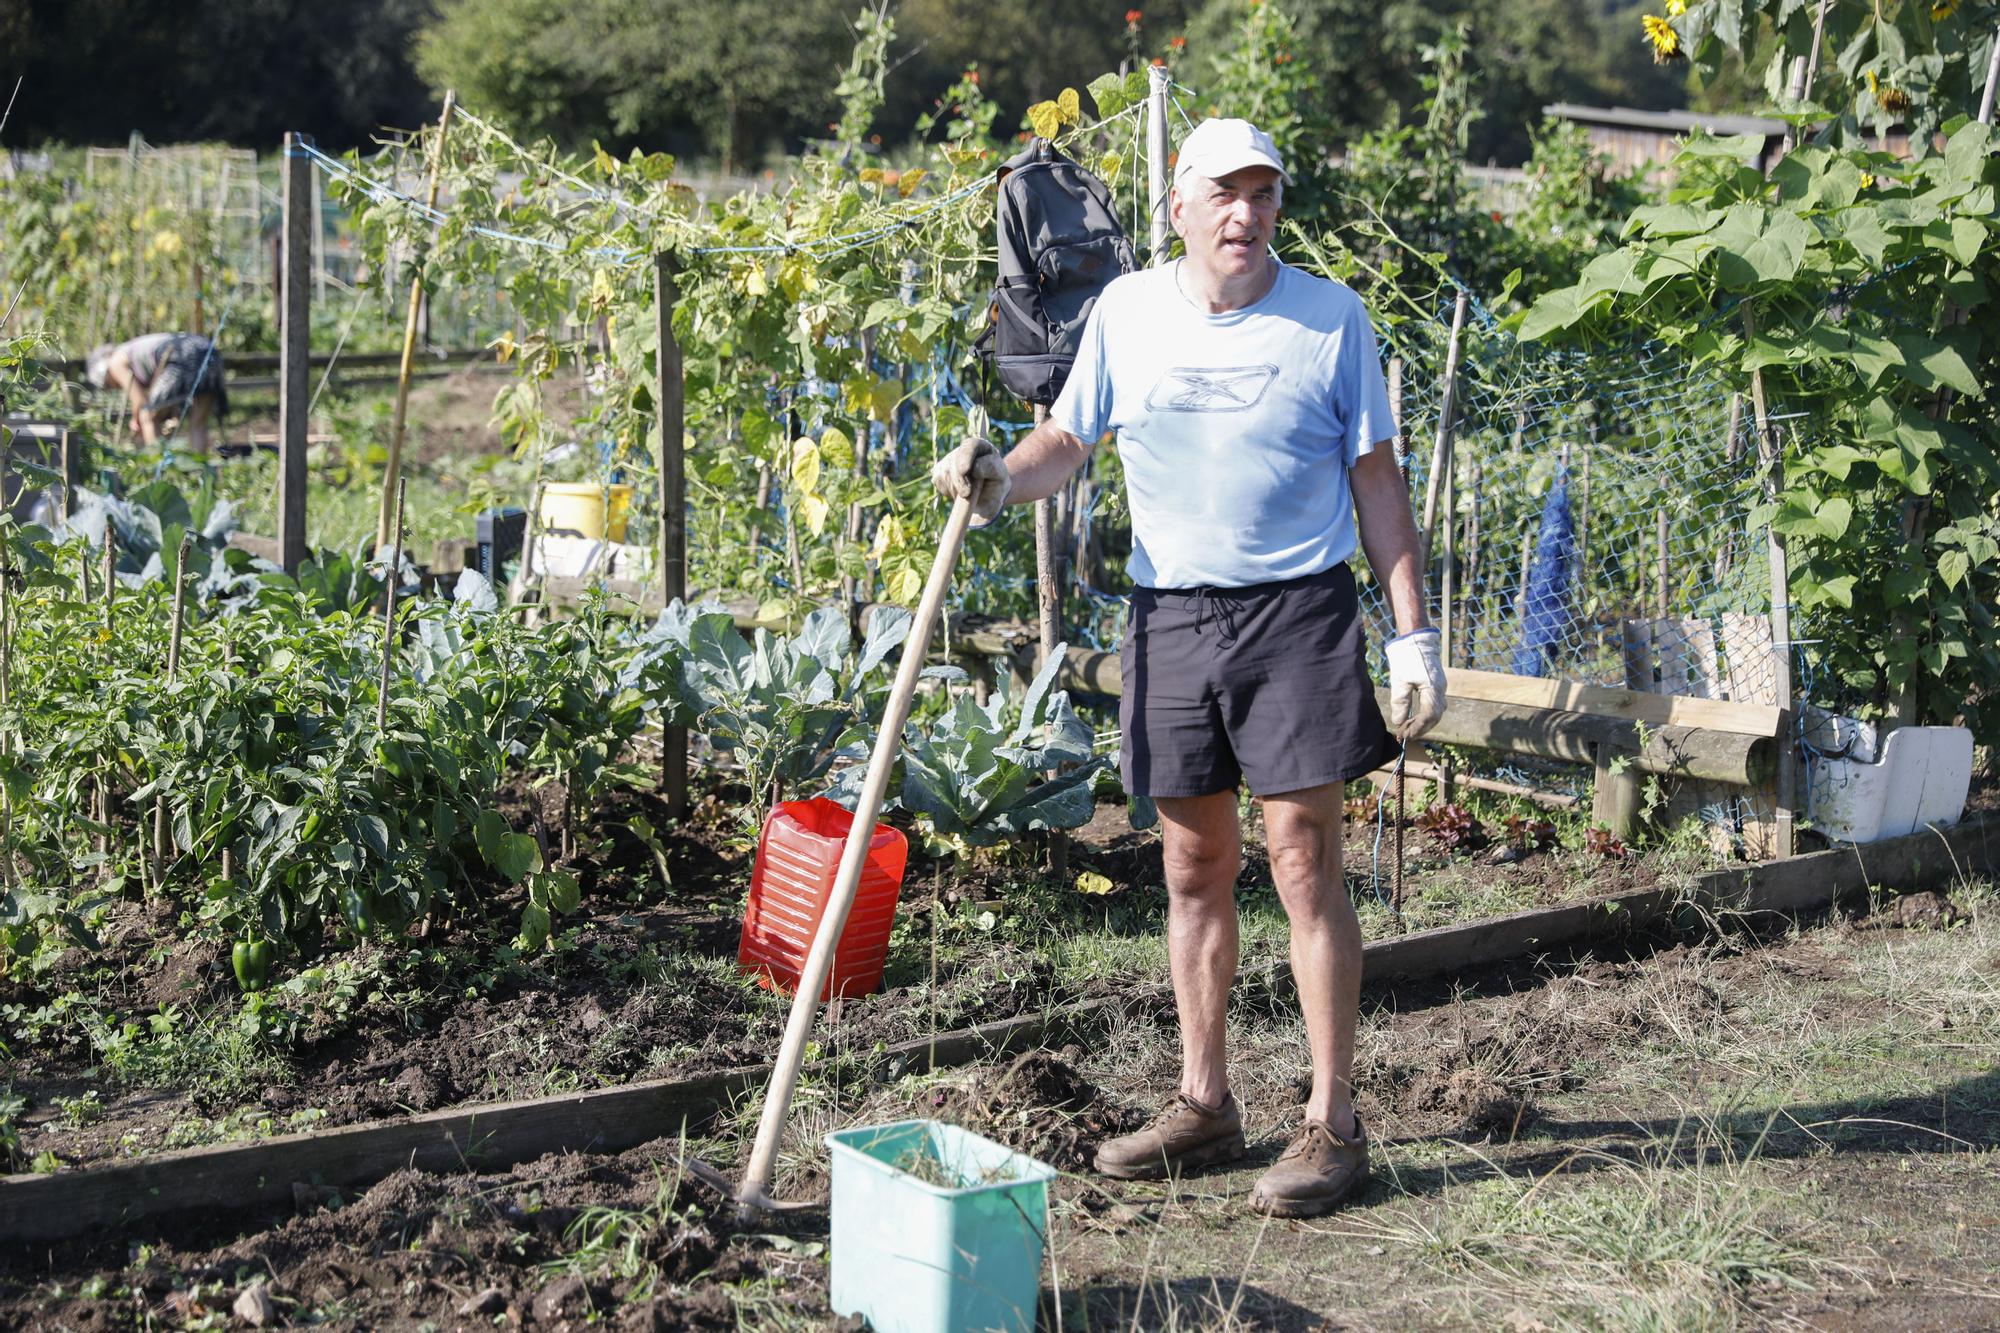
x,y
52,1207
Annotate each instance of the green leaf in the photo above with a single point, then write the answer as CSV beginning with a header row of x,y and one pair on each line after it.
x,y
512,854
1833,516
1551,313
883,310
1756,244
1663,221
1836,460
1108,92
1952,567
558,889
1928,363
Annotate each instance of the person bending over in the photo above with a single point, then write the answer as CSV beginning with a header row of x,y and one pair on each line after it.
x,y
165,377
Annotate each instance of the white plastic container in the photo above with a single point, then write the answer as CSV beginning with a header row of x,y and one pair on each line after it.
x,y
1912,778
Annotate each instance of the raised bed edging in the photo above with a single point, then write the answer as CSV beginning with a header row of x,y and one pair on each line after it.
x,y
53,1207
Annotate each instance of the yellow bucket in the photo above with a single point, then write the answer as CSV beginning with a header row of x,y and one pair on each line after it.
x,y
579,507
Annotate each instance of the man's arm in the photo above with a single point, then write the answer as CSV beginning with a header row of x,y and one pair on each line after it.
x,y
1042,462
1389,533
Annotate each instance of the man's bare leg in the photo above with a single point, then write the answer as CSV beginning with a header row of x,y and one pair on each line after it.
x,y
1203,853
1302,831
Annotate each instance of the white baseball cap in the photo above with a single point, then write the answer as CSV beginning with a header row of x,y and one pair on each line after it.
x,y
1217,147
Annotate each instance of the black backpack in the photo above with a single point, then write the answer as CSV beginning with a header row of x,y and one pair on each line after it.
x,y
1060,245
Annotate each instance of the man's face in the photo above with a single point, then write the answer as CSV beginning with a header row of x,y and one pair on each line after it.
x,y
1228,223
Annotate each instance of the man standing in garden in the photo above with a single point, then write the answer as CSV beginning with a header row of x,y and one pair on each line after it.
x,y
165,377
1251,417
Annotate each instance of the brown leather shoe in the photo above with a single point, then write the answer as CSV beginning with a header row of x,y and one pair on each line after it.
x,y
1315,1172
1186,1134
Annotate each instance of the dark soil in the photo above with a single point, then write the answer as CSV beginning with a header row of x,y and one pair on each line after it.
x,y
539,1245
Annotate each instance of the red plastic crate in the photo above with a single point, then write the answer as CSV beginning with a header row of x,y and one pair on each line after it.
x,y
798,856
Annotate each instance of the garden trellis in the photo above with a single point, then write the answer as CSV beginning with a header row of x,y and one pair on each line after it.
x,y
845,306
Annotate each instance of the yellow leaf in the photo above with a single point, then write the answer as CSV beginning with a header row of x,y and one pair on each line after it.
x,y
883,401
911,179
814,510
1093,883
754,282
1109,165
871,175
796,278
1070,105
600,290
904,585
805,464
503,347
888,536
1046,119
835,449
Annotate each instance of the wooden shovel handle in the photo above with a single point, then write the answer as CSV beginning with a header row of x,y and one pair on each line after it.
x,y
754,1191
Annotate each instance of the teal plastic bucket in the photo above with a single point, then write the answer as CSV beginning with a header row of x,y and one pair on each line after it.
x,y
914,1256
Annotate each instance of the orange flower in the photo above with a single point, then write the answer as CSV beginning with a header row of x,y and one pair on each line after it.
x,y
1132,17
1178,43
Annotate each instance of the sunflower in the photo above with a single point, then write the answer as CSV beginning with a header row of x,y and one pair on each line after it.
x,y
1887,95
1943,10
1676,8
1666,42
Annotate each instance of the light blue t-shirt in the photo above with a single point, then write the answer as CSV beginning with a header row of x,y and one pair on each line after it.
x,y
1236,430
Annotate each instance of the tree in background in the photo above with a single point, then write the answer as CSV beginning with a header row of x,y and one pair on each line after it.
x,y
692,76
245,71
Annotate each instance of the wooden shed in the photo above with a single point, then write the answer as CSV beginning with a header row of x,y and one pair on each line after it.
x,y
1647,139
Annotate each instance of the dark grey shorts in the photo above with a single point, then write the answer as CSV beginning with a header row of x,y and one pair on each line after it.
x,y
1266,683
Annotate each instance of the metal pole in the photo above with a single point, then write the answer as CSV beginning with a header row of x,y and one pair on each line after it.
x,y
1156,159
295,337
392,472
673,503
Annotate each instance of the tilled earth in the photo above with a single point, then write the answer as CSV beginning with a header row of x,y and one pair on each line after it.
x,y
1526,1066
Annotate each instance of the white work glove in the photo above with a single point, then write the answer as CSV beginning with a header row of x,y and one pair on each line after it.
x,y
1416,683
974,472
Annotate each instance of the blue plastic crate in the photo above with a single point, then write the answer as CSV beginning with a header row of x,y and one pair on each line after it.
x,y
910,1256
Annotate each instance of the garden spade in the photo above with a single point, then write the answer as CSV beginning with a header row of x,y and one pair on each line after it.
x,y
753,1195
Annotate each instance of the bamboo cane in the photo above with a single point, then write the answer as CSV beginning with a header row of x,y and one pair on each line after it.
x,y
392,472
389,616
753,1196
173,674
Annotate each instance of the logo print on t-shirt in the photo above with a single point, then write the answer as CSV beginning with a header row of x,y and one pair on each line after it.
x,y
1211,389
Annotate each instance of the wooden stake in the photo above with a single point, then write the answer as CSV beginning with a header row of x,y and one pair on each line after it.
x,y
1583,507
389,613
67,462
1048,588
1474,602
673,504
392,472
6,679
1660,598
1781,605
173,674
1396,415
294,355
1448,572
1156,161
1441,455
1992,80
